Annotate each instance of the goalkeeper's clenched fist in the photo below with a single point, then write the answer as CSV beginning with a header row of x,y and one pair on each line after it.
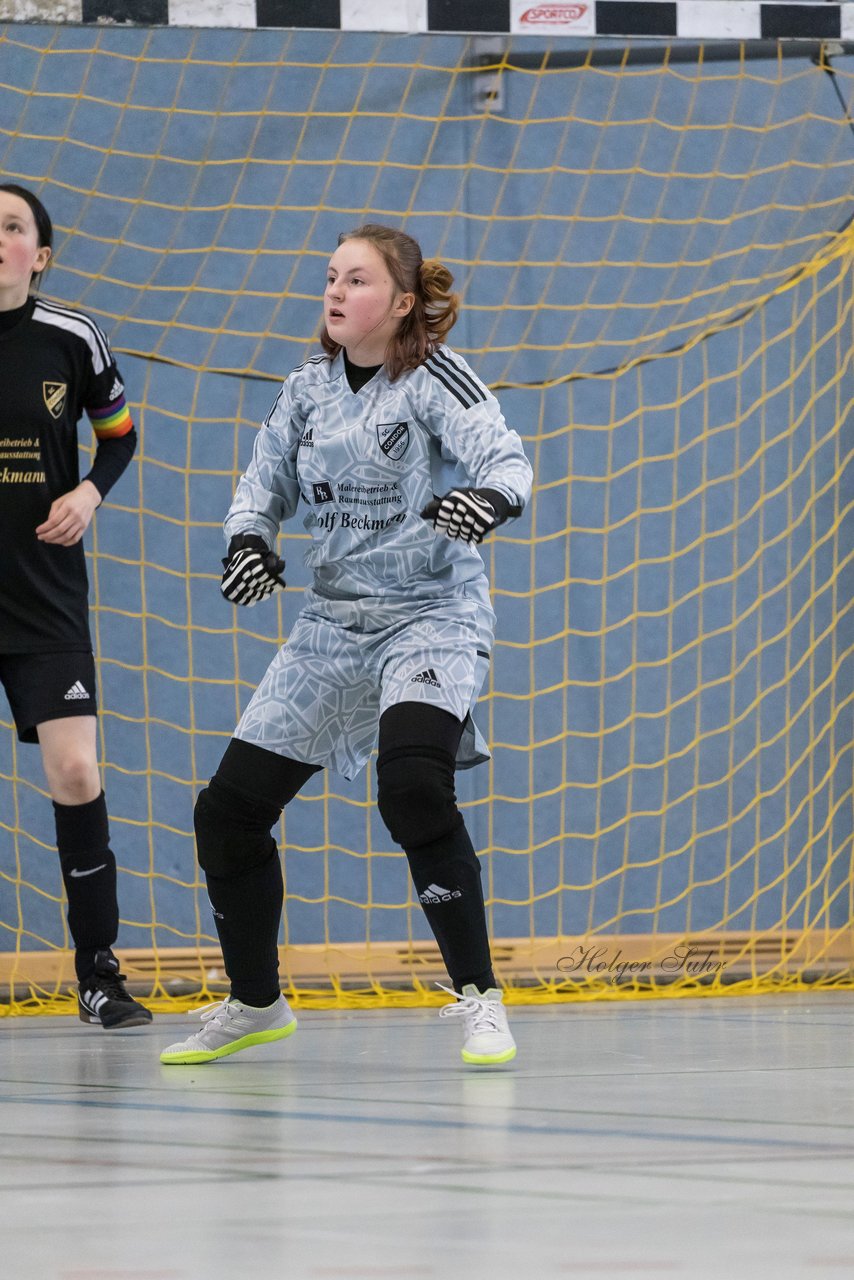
x,y
252,571
467,515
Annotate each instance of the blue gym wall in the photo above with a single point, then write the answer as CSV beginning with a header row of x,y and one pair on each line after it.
x,y
637,762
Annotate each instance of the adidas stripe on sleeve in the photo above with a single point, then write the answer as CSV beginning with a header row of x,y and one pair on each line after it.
x,y
478,448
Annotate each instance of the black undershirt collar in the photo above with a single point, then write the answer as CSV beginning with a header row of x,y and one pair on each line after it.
x,y
8,319
358,374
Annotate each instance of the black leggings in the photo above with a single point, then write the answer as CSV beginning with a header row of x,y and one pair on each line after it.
x,y
235,814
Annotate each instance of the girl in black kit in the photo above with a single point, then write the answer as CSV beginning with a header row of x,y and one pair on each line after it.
x,y
56,363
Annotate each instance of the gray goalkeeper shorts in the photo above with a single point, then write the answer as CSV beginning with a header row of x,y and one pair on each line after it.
x,y
347,661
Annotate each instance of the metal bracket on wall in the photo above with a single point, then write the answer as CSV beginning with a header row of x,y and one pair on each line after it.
x,y
488,80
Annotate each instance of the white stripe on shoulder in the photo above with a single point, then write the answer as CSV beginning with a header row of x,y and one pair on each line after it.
x,y
80,325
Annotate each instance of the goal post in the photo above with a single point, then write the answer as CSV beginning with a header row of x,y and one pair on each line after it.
x,y
653,241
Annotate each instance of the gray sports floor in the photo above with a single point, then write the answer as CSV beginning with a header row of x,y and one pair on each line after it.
x,y
689,1138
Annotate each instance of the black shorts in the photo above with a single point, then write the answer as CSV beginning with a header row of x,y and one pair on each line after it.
x,y
48,686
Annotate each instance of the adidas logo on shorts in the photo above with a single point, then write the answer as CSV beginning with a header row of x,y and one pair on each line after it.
x,y
76,691
426,677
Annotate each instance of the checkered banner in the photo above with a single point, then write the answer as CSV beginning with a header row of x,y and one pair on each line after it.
x,y
689,19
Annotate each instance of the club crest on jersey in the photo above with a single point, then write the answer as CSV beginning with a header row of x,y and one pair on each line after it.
x,y
393,438
54,397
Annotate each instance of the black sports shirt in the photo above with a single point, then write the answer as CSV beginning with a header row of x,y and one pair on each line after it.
x,y
54,364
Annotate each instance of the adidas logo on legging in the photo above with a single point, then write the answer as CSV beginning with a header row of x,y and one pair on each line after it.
x,y
435,893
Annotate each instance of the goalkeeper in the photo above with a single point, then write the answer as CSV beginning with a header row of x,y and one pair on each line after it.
x,y
404,463
57,363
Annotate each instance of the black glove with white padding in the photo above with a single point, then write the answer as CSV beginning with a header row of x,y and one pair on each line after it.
x,y
467,515
252,571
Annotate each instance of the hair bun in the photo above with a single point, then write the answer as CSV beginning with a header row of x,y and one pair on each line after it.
x,y
434,273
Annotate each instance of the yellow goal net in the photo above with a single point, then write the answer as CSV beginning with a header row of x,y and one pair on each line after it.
x,y
655,259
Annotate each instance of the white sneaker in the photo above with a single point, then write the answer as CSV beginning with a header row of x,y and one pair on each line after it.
x,y
488,1039
229,1027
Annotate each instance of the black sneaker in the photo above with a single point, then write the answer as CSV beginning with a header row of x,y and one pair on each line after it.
x,y
102,999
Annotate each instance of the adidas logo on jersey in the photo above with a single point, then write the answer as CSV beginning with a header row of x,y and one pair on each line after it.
x,y
307,440
435,893
426,677
76,691
116,389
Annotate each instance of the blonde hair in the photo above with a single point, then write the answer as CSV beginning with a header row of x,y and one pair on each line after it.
x,y
434,311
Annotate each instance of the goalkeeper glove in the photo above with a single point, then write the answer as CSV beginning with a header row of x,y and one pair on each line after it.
x,y
467,515
252,571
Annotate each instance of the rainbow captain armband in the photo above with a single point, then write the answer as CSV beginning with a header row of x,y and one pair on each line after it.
x,y
112,421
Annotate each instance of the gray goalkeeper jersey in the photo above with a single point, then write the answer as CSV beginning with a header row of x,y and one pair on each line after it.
x,y
366,463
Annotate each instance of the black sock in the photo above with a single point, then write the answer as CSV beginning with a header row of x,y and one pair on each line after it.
x,y
447,880
481,981
247,911
89,874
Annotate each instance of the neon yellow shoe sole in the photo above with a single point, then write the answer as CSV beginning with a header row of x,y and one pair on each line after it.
x,y
188,1057
488,1059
